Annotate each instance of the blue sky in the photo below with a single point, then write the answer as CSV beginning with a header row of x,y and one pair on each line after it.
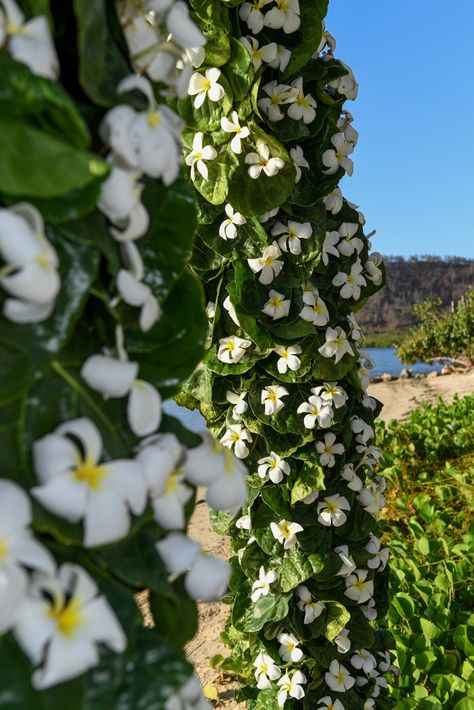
x,y
413,176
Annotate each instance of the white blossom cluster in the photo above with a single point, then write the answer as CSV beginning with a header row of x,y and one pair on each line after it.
x,y
348,466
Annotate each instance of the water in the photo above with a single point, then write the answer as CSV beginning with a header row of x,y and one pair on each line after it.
x,y
385,360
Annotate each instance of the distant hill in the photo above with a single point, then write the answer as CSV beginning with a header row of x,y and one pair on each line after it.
x,y
412,280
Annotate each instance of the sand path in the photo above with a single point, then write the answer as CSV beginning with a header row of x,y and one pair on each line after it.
x,y
400,398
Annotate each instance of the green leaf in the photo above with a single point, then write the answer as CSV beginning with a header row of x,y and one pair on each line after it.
x,y
34,163
337,617
404,605
101,63
310,479
239,70
254,616
24,95
176,618
309,35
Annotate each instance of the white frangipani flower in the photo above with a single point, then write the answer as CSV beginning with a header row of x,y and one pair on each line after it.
x,y
273,466
380,684
160,457
288,358
350,282
289,648
277,305
268,264
329,704
148,141
299,161
327,450
241,132
331,392
120,201
239,402
262,586
277,95
75,486
115,378
213,465
373,272
371,498
286,532
267,53
329,246
291,235
347,84
348,564
349,243
334,201
28,42
338,678
243,523
266,670
206,576
61,623
331,510
379,554
197,157
268,215
304,105
271,398
30,274
306,603
228,228
335,158
285,16
317,412
336,344
291,685
139,295
358,587
316,312
384,664
369,610
19,551
251,13
310,293
356,332
342,641
232,349
235,437
354,483
207,86
364,660
261,161
282,58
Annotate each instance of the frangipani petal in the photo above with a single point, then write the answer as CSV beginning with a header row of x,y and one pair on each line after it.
x,y
207,581
87,433
15,507
52,455
144,408
109,376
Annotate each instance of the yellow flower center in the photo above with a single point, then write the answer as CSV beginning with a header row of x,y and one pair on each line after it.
x,y
272,396
328,450
359,585
3,549
339,156
317,307
90,474
292,234
332,507
276,301
68,618
12,29
290,646
285,531
340,677
153,119
172,482
235,436
268,261
339,340
263,668
206,85
302,100
350,279
42,260
198,155
230,346
282,5
273,463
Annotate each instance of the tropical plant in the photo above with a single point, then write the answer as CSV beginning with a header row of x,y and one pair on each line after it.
x,y
429,527
101,320
285,262
441,333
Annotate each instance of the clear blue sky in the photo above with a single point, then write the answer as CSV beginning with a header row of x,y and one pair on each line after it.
x,y
413,177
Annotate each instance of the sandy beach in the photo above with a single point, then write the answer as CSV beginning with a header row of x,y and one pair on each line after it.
x,y
400,397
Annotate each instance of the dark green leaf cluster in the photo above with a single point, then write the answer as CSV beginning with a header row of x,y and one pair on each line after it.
x,y
280,284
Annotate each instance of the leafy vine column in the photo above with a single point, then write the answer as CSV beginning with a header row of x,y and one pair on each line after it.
x,y
285,264
101,320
